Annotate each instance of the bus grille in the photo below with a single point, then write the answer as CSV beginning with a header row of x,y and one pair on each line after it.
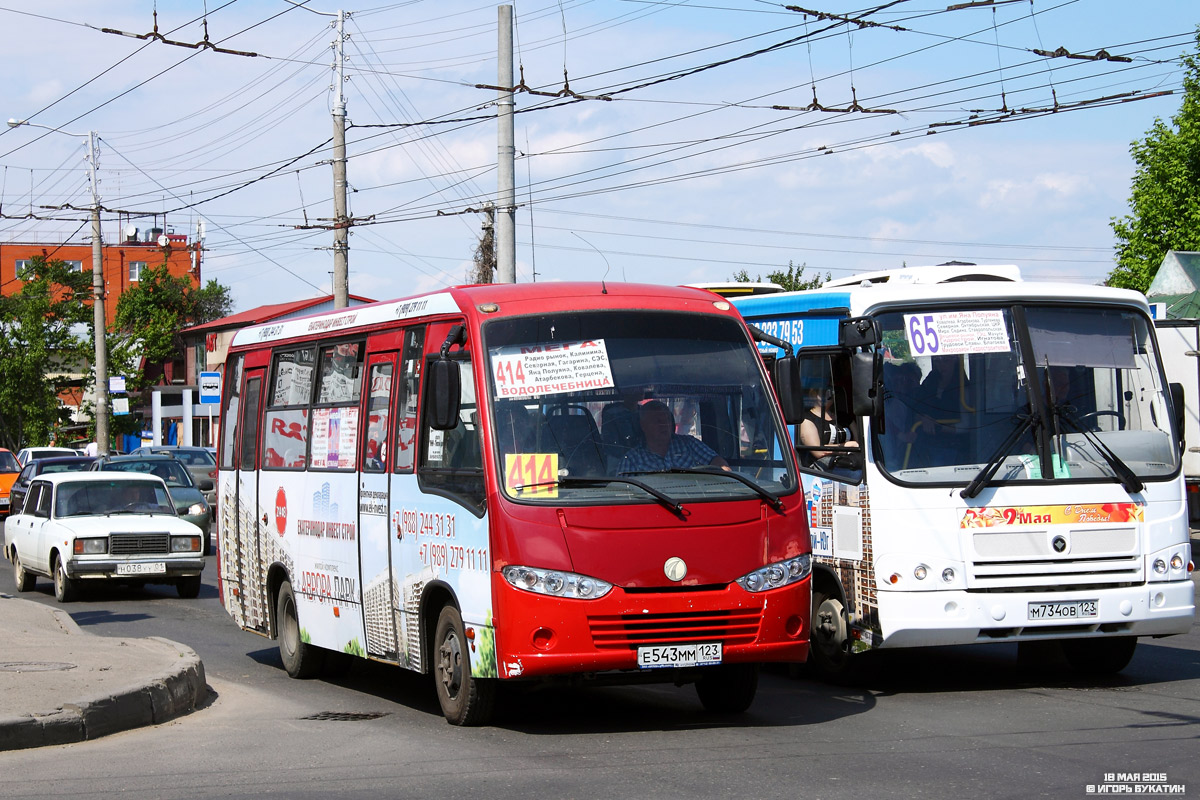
x,y
1064,573
133,544
629,631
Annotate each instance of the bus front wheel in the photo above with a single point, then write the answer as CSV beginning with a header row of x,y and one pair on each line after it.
x,y
1105,656
728,689
465,700
300,659
829,654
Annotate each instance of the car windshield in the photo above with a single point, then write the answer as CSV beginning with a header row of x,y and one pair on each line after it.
x,y
9,463
117,496
589,406
66,466
195,458
169,470
970,400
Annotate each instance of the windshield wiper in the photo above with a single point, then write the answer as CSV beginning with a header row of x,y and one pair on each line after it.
x,y
669,503
985,475
1128,480
772,500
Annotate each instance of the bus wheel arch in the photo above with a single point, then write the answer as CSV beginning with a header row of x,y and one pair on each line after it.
x,y
276,575
464,699
300,659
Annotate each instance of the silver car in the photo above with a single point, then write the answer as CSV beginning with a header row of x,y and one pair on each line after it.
x,y
200,462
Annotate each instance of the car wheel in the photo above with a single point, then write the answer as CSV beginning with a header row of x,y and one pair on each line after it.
x,y
465,700
65,588
25,580
300,659
188,587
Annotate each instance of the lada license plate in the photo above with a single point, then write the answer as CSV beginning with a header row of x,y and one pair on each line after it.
x,y
679,655
147,568
1074,609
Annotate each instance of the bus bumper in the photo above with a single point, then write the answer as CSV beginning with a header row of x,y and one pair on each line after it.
x,y
916,619
545,636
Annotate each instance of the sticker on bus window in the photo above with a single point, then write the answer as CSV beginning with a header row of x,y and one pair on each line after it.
x,y
531,474
523,371
951,333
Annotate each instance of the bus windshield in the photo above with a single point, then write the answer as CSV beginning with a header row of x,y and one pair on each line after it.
x,y
1079,382
613,406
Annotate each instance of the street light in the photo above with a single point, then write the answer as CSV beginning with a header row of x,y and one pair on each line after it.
x,y
97,283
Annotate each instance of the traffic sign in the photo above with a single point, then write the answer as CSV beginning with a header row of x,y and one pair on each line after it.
x,y
210,387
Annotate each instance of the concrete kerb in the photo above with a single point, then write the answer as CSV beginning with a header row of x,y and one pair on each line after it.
x,y
159,695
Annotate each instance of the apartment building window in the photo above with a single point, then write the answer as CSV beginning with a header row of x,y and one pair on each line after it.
x,y
74,266
22,267
135,270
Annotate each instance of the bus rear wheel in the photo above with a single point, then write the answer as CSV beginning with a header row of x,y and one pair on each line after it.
x,y
465,700
1105,656
729,688
829,654
300,659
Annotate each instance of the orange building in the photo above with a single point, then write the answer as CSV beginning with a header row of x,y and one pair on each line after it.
x,y
123,262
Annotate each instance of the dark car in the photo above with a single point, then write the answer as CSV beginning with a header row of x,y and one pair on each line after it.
x,y
200,461
188,499
44,466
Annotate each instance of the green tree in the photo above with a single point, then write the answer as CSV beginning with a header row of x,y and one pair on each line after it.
x,y
791,279
155,311
147,325
43,336
1165,199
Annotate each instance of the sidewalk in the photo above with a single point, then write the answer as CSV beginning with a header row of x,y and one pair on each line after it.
x,y
59,684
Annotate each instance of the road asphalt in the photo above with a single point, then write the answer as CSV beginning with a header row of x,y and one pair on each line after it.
x,y
60,684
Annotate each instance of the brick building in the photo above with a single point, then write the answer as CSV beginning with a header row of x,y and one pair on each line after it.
x,y
122,266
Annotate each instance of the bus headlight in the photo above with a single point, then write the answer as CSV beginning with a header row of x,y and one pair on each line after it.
x,y
556,583
781,573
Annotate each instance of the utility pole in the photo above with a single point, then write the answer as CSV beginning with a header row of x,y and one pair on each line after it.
x,y
98,301
506,195
341,222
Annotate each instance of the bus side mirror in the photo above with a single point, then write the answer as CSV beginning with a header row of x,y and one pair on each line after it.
x,y
443,395
785,374
1177,407
865,375
858,333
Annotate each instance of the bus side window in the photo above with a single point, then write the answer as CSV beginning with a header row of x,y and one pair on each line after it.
x,y
452,460
410,391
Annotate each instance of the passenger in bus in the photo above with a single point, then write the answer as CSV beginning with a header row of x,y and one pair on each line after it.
x,y
514,428
818,426
663,449
941,396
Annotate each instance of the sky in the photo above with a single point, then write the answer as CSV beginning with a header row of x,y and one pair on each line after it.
x,y
686,140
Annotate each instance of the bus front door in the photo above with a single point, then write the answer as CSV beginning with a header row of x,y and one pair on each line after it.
x,y
374,525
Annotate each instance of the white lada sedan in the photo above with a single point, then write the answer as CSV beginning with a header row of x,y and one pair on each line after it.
x,y
77,527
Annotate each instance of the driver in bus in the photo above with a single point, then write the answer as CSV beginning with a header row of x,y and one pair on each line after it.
x,y
663,449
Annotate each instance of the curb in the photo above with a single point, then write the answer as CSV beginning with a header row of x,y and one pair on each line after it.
x,y
180,690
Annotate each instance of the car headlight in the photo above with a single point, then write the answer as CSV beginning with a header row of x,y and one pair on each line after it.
x,y
185,544
196,509
91,547
781,573
556,583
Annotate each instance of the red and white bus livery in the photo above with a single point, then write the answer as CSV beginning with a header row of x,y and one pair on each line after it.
x,y
495,483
